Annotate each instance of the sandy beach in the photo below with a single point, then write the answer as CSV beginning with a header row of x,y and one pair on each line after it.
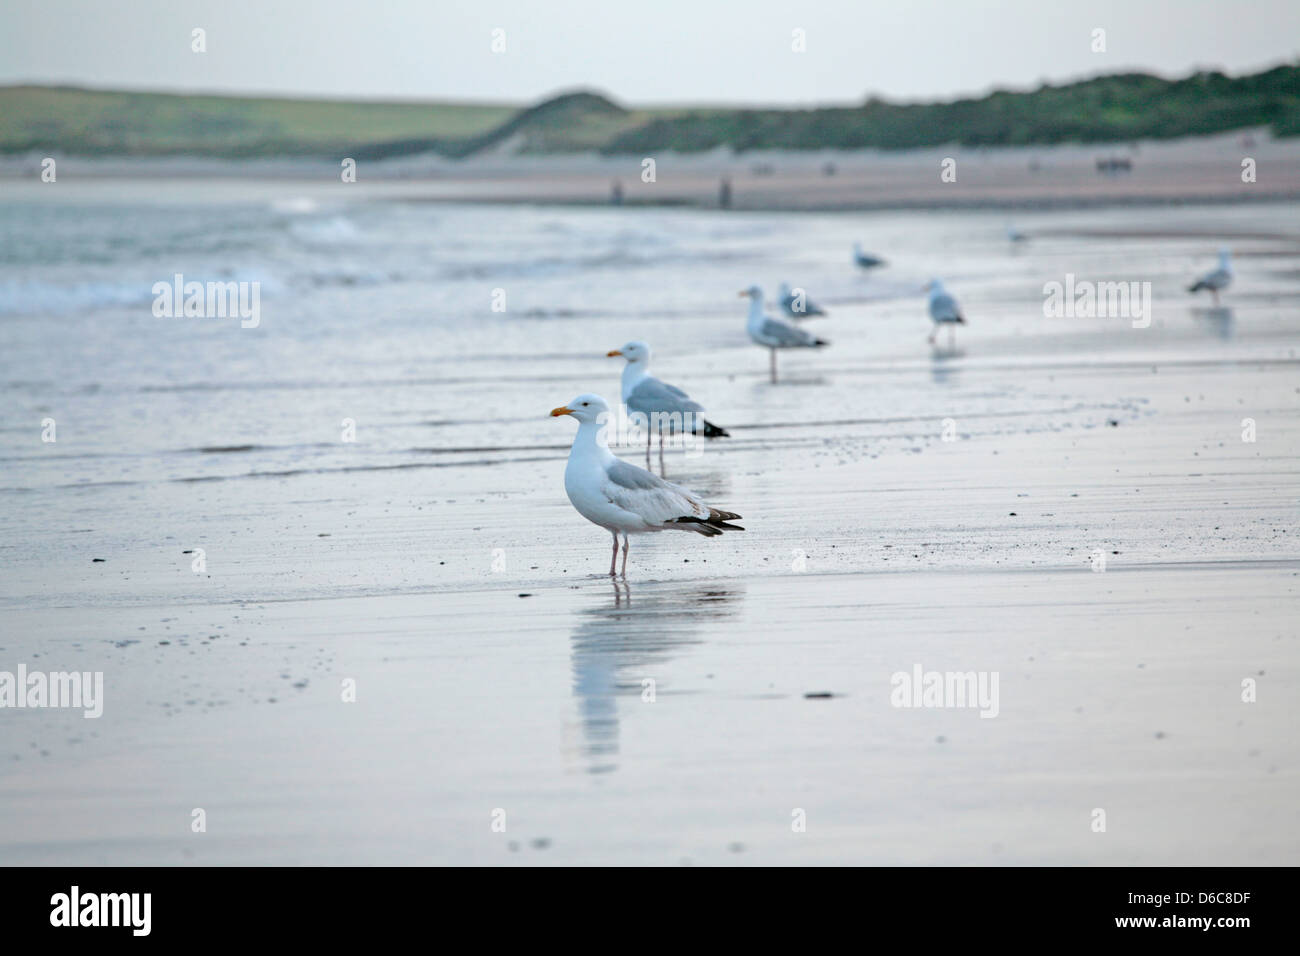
x,y
1198,170
1066,503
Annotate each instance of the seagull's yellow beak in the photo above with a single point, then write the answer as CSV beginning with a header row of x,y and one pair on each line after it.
x,y
562,410
612,352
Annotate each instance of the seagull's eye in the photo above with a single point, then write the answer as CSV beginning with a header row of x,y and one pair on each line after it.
x,y
585,404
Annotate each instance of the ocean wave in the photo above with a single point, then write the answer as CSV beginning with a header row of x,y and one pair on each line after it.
x,y
330,231
31,297
44,297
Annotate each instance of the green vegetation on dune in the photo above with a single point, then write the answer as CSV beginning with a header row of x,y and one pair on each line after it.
x,y
573,122
92,122
1105,109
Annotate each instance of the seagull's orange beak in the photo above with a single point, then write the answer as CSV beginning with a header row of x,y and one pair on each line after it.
x,y
743,293
612,352
562,410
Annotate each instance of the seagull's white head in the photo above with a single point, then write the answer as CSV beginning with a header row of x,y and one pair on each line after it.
x,y
633,352
585,408
753,292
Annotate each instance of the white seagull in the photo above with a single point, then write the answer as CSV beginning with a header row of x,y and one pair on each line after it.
x,y
944,310
644,393
1217,280
621,497
864,260
799,306
772,333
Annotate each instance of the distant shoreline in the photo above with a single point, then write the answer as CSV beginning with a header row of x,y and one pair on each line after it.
x,y
1202,170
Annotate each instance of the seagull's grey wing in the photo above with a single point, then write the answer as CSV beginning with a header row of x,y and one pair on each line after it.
x,y
642,493
1214,281
785,335
652,395
810,308
944,308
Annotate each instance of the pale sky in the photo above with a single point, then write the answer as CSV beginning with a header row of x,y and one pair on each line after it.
x,y
638,51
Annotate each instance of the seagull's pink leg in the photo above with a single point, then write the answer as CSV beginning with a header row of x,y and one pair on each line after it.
x,y
625,543
614,557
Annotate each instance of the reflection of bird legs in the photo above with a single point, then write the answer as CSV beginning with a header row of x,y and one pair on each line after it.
x,y
622,593
773,351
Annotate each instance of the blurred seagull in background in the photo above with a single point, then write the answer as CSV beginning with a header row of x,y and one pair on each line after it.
x,y
1014,235
864,260
621,497
644,393
944,310
797,304
1217,280
772,333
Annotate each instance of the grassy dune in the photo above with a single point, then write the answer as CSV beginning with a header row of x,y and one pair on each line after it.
x,y
115,123
1103,109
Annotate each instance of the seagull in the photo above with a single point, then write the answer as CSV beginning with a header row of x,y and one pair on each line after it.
x,y
621,497
1216,280
773,333
799,306
1015,235
864,260
658,401
944,310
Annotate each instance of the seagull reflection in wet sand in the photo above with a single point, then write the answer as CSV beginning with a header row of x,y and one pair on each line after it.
x,y
1220,320
625,638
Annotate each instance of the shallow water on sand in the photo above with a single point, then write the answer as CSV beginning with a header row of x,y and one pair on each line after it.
x,y
436,561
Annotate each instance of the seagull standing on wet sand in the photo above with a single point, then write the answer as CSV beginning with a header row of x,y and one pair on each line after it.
x,y
772,333
864,260
800,306
619,496
1217,280
944,310
644,393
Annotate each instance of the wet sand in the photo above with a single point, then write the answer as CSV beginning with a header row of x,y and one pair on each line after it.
x,y
497,668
